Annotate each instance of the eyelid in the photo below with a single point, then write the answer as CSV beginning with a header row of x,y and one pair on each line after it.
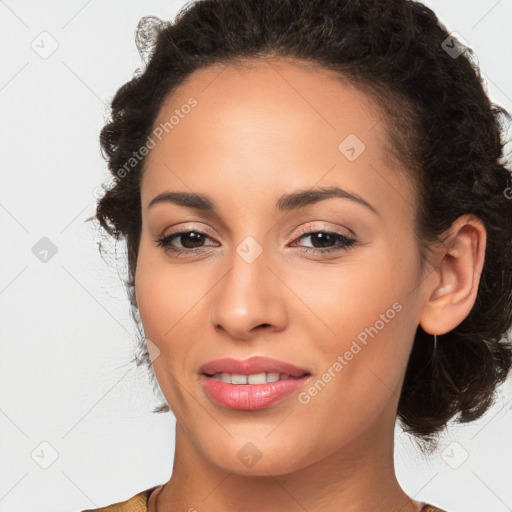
x,y
308,228
186,227
347,241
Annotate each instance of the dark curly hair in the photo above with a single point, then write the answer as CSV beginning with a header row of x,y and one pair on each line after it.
x,y
442,126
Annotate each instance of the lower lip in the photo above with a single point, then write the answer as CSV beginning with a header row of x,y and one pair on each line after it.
x,y
250,397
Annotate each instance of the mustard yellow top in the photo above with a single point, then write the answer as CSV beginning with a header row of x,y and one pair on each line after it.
x,y
139,503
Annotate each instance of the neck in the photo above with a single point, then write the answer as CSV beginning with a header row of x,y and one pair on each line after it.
x,y
360,476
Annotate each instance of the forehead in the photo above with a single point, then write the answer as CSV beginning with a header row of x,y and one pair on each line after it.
x,y
268,126
258,96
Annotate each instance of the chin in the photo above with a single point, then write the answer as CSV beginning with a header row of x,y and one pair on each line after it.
x,y
257,457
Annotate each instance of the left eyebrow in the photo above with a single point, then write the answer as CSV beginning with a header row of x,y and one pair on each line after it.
x,y
287,202
305,197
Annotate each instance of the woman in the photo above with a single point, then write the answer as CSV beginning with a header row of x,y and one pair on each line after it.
x,y
319,232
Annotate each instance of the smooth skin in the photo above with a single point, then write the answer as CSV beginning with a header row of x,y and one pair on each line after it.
x,y
259,132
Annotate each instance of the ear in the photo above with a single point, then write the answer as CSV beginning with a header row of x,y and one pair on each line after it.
x,y
452,287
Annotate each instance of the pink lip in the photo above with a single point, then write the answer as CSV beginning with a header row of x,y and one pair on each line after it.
x,y
250,397
255,364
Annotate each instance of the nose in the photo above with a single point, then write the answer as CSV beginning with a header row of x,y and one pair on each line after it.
x,y
249,299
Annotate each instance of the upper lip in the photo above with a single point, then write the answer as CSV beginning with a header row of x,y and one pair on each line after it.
x,y
256,364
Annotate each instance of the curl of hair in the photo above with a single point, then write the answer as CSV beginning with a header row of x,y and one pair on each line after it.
x,y
442,127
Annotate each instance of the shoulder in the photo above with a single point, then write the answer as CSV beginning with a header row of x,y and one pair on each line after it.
x,y
431,508
137,503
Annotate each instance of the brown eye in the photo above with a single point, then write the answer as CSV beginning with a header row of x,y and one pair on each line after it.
x,y
325,241
189,241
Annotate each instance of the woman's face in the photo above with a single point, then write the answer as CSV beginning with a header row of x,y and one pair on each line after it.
x,y
260,281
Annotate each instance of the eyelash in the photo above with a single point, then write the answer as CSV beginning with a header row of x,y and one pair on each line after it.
x,y
347,242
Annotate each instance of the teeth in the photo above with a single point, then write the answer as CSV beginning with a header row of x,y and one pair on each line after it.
x,y
255,378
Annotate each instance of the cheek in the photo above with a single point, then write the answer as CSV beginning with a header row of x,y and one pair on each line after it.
x,y
359,371
365,313
170,301
356,292
162,310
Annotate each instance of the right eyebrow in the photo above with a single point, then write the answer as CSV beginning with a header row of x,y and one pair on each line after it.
x,y
187,199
